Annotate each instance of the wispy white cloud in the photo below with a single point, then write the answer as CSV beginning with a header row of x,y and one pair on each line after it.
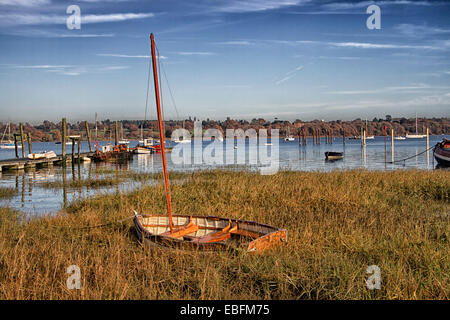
x,y
69,70
194,53
44,66
236,43
419,87
24,3
364,45
365,4
339,58
125,56
241,6
116,55
81,35
96,18
417,31
11,19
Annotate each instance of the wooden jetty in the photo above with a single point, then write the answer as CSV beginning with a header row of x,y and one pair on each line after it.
x,y
25,163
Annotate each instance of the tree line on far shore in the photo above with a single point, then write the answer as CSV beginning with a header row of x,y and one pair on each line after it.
x,y
134,129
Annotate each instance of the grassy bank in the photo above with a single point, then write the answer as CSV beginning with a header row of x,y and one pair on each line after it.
x,y
339,223
6,192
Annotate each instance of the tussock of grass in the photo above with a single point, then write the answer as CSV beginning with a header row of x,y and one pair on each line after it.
x,y
6,192
339,223
90,183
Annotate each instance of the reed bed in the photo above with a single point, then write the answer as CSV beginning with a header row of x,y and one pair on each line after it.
x,y
6,192
88,183
339,223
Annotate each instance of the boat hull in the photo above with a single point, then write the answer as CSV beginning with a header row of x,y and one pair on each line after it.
x,y
251,236
43,155
442,153
141,150
334,155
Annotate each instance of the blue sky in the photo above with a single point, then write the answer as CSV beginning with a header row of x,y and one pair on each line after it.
x,y
290,59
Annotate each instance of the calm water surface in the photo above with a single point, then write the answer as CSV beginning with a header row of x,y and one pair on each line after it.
x,y
31,197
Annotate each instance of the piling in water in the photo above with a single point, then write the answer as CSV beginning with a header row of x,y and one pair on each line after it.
x,y
116,133
73,151
22,139
30,150
63,140
16,146
88,135
79,149
392,145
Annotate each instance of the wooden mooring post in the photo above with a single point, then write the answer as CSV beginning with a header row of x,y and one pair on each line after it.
x,y
73,150
22,139
88,135
392,145
116,134
63,140
30,150
343,136
16,147
79,149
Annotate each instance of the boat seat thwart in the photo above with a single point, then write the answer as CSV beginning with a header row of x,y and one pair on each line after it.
x,y
221,235
184,231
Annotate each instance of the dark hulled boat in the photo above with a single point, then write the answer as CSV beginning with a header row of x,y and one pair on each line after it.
x,y
441,152
330,155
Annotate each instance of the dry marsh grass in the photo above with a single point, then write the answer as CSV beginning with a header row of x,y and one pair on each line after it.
x,y
339,223
6,192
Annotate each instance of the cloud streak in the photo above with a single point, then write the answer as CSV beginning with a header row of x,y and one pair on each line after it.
x,y
243,6
12,19
194,53
24,3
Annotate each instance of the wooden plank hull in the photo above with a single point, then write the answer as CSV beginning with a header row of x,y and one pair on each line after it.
x,y
154,230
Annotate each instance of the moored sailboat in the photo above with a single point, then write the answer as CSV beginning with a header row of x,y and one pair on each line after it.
x,y
8,144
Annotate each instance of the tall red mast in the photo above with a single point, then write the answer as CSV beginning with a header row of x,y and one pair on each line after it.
x,y
161,133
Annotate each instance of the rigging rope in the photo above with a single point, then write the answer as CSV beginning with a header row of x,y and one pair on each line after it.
x,y
148,85
411,156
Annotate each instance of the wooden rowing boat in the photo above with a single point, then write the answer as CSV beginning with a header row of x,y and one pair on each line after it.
x,y
207,233
199,232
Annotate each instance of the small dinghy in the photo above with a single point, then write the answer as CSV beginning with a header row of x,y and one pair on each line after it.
x,y
199,232
330,155
142,150
42,155
206,233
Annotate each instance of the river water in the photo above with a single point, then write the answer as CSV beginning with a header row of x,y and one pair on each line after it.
x,y
33,198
